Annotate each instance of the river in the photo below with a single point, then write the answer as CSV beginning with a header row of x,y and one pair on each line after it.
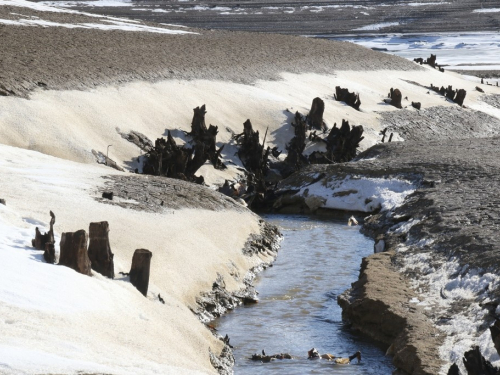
x,y
298,307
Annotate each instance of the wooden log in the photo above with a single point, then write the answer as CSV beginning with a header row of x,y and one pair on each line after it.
x,y
315,117
139,272
100,255
50,253
74,251
41,239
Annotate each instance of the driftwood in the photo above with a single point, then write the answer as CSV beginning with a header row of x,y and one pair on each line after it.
x,y
341,145
168,159
74,252
41,239
315,116
416,105
396,98
457,95
350,98
476,364
297,144
139,271
99,252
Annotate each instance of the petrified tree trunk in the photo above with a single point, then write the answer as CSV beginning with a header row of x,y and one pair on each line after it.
x,y
315,117
396,98
139,272
74,251
41,239
100,254
50,253
459,99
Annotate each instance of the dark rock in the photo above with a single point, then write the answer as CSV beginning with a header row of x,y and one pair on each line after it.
x,y
2,201
139,271
100,254
74,252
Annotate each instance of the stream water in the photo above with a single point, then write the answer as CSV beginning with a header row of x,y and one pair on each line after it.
x,y
298,308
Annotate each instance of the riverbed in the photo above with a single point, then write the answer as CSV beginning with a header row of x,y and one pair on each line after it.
x,y
298,307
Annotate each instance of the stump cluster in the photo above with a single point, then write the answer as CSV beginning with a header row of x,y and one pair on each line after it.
x,y
349,98
168,159
457,95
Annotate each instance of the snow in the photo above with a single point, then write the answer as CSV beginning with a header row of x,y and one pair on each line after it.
x,y
377,26
442,285
116,23
359,194
461,52
487,10
97,3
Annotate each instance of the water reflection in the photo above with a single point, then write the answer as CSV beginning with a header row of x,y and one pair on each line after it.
x,y
298,303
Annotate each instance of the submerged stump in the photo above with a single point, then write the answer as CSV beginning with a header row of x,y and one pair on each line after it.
x,y
100,254
139,272
74,252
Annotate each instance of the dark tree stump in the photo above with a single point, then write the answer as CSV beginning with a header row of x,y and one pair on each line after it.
x,y
350,98
108,195
476,364
495,335
315,117
297,144
2,201
74,252
100,254
41,239
50,253
459,99
453,370
419,60
139,272
416,105
396,98
431,61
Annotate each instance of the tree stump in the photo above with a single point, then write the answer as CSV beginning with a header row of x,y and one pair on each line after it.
x,y
315,117
459,99
2,201
50,253
41,239
139,272
416,105
476,364
100,254
74,251
495,335
396,98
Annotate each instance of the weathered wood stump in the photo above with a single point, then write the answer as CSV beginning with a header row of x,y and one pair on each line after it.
x,y
419,60
100,255
74,252
453,370
315,116
297,144
476,364
459,99
495,335
431,61
50,253
350,98
416,105
41,239
2,201
108,195
139,272
396,98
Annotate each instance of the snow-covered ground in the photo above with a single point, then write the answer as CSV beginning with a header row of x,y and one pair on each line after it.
x,y
55,320
466,51
108,23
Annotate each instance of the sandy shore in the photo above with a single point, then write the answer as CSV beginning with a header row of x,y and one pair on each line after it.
x,y
71,88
